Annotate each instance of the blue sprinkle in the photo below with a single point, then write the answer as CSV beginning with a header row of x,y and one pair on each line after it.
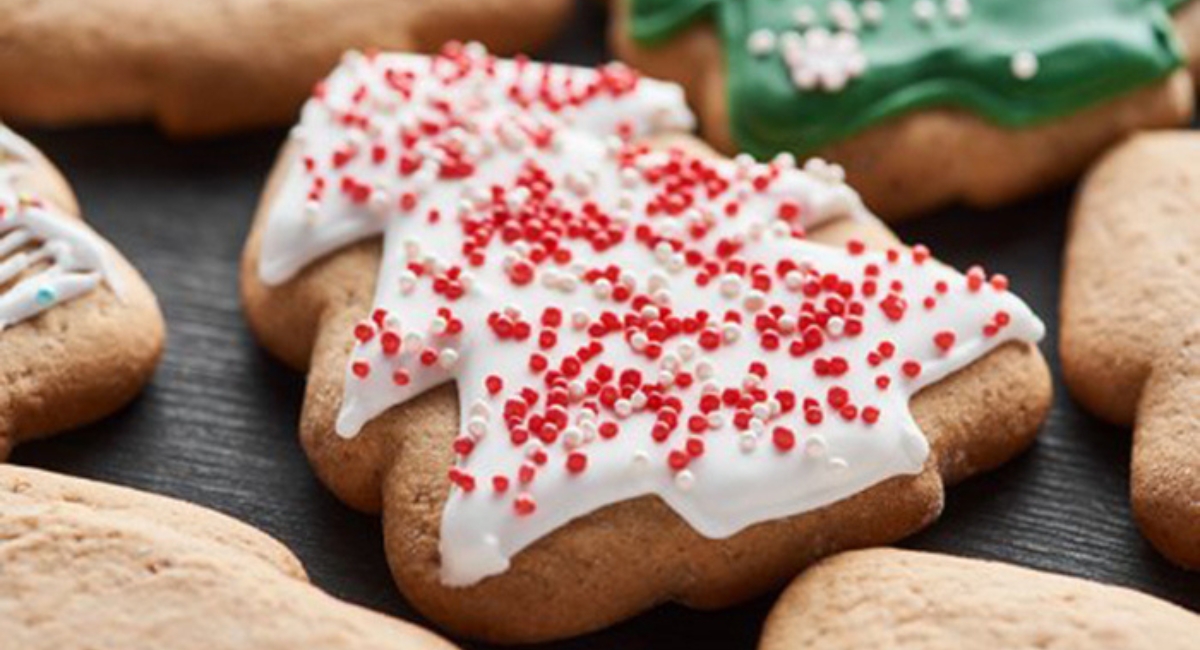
x,y
46,296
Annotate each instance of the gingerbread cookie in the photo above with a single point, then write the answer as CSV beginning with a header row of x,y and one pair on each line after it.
x,y
1131,323
925,103
86,564
583,376
205,68
80,332
887,598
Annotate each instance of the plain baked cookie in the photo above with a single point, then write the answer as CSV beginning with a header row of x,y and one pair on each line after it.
x,y
205,68
887,598
924,103
583,376
1131,323
80,332
84,564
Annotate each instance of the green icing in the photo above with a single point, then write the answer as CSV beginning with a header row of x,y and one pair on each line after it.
x,y
1088,51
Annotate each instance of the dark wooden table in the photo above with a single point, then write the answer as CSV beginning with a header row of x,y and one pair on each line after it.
x,y
218,424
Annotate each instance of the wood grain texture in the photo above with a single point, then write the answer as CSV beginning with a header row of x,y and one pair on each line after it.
x,y
218,424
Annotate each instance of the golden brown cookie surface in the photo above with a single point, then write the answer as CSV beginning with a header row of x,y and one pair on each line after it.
x,y
80,332
638,552
905,599
86,562
205,68
1130,308
964,158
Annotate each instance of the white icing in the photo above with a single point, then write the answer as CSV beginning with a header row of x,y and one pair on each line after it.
x,y
742,478
46,258
296,236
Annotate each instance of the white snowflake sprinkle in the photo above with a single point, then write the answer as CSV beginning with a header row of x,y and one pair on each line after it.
x,y
821,60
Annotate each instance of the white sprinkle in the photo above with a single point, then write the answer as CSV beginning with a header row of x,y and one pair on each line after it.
x,y
747,442
676,263
731,285
731,332
477,426
312,212
412,248
1024,65
684,480
872,12
640,459
602,288
481,409
658,281
572,437
785,160
804,16
687,352
408,282
577,389
754,301
448,358
413,342
925,11
794,280
958,10
761,42
844,15
815,447
629,177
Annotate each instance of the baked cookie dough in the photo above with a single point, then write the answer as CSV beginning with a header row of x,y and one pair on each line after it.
x,y
1131,323
925,103
887,598
85,564
210,67
583,376
80,332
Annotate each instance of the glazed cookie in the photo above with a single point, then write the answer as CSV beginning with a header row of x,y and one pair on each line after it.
x,y
886,598
80,332
1131,323
205,68
583,376
924,102
125,569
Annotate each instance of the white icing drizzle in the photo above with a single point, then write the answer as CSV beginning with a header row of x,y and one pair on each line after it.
x,y
67,259
760,452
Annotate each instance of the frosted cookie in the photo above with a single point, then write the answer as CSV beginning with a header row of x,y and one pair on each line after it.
x,y
80,332
582,376
1131,323
205,68
924,102
888,598
92,565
